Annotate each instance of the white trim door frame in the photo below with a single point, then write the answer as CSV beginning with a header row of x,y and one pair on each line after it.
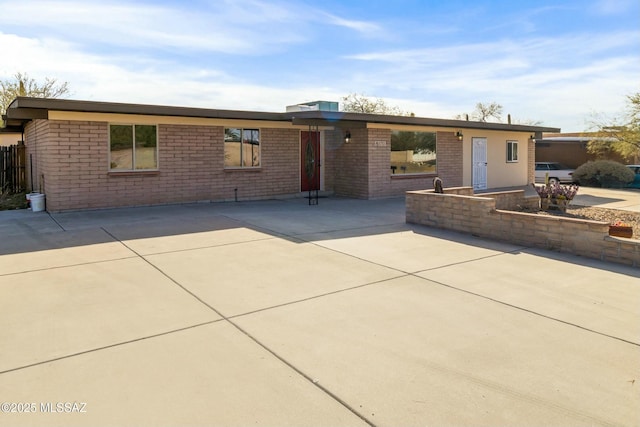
x,y
479,163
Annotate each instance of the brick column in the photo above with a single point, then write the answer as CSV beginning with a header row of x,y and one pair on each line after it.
x,y
450,161
531,159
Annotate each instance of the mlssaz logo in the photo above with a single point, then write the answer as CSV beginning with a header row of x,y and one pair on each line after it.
x,y
64,407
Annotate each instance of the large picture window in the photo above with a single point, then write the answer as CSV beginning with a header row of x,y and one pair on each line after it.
x,y
241,148
133,147
413,152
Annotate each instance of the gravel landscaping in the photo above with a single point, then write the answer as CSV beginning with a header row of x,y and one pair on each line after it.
x,y
599,214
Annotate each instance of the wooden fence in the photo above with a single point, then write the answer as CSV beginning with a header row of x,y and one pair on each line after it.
x,y
12,169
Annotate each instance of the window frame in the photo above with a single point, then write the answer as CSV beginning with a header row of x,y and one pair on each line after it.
x,y
511,158
242,133
395,174
133,148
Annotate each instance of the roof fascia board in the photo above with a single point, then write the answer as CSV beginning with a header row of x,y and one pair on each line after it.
x,y
141,109
26,114
381,120
326,118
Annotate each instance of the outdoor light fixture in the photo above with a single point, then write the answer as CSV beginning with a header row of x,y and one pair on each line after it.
x,y
459,135
347,137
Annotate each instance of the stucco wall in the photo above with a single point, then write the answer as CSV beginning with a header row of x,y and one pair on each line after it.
x,y
9,139
500,173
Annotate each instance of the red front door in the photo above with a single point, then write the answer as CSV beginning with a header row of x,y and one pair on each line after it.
x,y
309,161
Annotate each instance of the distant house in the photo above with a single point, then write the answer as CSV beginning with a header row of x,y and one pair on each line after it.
x,y
570,149
95,155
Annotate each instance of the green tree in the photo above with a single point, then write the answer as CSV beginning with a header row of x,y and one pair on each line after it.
x,y
418,142
355,103
620,134
23,85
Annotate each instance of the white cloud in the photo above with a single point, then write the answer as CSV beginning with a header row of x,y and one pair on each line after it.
x,y
558,80
222,28
613,7
96,77
364,27
234,27
170,54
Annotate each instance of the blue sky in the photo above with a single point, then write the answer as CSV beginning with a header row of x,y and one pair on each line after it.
x,y
558,62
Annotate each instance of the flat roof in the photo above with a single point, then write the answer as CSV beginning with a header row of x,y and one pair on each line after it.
x,y
24,109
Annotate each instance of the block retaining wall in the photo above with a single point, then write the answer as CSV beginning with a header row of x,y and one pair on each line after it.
x,y
460,210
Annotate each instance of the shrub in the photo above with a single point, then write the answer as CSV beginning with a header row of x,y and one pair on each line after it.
x,y
603,173
556,191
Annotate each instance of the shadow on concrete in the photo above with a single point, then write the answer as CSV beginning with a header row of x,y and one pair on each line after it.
x,y
588,200
291,219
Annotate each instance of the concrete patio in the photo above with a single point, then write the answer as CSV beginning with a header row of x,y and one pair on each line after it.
x,y
277,313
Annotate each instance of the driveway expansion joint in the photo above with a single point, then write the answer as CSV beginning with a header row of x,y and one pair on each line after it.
x,y
251,337
555,319
118,344
56,221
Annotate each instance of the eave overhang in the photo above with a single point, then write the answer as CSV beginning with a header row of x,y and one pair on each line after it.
x,y
23,109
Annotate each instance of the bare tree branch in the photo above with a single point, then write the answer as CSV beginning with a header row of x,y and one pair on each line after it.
x,y
356,103
620,134
23,85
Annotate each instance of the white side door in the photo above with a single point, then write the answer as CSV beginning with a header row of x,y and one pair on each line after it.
x,y
479,166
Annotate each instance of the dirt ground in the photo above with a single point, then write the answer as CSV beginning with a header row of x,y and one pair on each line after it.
x,y
13,201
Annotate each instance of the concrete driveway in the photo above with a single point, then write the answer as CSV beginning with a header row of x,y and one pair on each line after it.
x,y
609,198
277,313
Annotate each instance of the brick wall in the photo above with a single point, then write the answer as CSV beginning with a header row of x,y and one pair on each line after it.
x,y
333,141
379,150
71,157
361,168
450,160
36,154
478,215
513,199
350,163
531,163
449,166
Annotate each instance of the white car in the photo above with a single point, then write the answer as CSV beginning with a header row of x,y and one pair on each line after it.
x,y
557,172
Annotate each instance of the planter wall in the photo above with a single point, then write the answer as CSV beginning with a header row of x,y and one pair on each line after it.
x,y
478,215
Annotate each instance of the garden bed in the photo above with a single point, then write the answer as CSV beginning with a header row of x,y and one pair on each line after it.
x,y
598,214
